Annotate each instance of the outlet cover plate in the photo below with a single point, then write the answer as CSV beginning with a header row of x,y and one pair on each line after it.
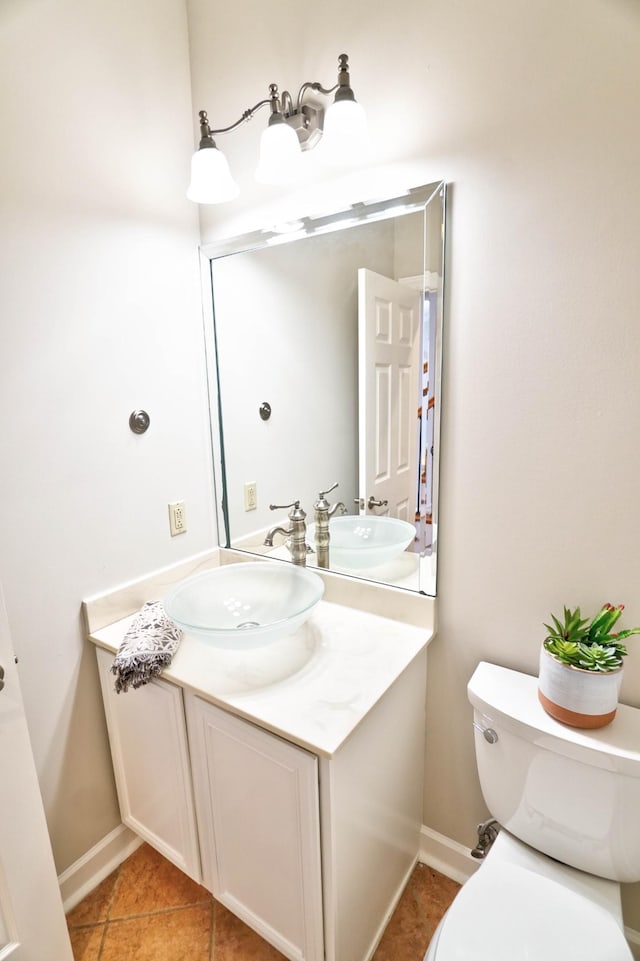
x,y
250,496
177,518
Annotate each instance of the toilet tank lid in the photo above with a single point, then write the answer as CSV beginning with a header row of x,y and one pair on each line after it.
x,y
509,698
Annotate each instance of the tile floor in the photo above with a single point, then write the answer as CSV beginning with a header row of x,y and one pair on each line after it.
x,y
147,910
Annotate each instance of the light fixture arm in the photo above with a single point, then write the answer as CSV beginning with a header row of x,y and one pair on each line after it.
x,y
283,103
343,86
207,133
327,91
304,117
287,103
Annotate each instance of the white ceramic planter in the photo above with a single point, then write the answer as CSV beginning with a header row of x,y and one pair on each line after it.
x,y
586,699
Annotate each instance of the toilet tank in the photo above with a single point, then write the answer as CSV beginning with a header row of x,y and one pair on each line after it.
x,y
572,794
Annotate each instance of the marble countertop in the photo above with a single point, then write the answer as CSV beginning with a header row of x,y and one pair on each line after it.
x,y
312,688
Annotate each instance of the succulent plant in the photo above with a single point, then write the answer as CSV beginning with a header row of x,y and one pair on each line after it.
x,y
589,643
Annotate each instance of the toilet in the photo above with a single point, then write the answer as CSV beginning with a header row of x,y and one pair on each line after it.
x,y
568,805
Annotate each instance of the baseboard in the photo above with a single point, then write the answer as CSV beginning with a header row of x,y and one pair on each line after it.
x,y
455,862
93,867
446,856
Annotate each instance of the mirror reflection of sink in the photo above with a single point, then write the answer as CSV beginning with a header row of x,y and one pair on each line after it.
x,y
365,540
242,606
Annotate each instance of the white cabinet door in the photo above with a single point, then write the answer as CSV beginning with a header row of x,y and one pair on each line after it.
x,y
148,738
257,806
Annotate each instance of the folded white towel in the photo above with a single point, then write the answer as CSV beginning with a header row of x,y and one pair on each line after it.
x,y
147,647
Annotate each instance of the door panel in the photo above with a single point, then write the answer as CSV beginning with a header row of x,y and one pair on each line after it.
x,y
389,369
32,922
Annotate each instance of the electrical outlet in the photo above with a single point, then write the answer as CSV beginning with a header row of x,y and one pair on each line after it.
x,y
250,496
177,518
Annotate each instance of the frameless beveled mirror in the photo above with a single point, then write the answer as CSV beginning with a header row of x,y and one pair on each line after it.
x,y
324,360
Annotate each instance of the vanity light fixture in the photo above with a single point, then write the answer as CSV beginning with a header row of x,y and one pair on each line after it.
x,y
291,129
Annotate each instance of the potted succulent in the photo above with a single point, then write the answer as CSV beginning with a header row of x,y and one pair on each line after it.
x,y
581,667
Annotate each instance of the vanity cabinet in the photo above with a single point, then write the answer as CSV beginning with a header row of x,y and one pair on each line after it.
x,y
148,739
298,804
258,814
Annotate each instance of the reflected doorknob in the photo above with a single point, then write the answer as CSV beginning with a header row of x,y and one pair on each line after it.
x,y
371,503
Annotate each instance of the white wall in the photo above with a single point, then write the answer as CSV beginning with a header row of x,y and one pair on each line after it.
x,y
100,315
529,110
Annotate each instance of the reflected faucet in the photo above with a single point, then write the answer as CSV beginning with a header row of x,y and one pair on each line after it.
x,y
322,512
296,532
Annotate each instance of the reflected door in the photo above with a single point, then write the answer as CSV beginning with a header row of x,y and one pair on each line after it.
x,y
388,379
32,923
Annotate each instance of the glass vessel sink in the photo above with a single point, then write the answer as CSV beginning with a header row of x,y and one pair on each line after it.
x,y
362,541
245,605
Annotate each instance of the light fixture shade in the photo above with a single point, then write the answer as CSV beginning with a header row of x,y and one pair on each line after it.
x,y
280,158
211,180
345,136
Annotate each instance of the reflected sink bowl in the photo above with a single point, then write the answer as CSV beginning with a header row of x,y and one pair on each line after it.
x,y
361,541
245,605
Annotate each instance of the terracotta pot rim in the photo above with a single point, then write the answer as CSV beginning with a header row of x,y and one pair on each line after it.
x,y
581,670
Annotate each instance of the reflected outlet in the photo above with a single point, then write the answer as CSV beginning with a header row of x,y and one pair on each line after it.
x,y
177,518
250,496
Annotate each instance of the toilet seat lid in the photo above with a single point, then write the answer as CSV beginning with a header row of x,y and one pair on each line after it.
x,y
511,914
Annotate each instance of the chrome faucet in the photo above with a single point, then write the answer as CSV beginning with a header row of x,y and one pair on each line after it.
x,y
296,532
322,512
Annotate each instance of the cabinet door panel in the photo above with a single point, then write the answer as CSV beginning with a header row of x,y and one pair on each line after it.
x,y
257,805
148,739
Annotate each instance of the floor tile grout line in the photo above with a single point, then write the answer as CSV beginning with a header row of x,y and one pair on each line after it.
x,y
116,884
102,940
157,912
141,914
85,927
212,930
